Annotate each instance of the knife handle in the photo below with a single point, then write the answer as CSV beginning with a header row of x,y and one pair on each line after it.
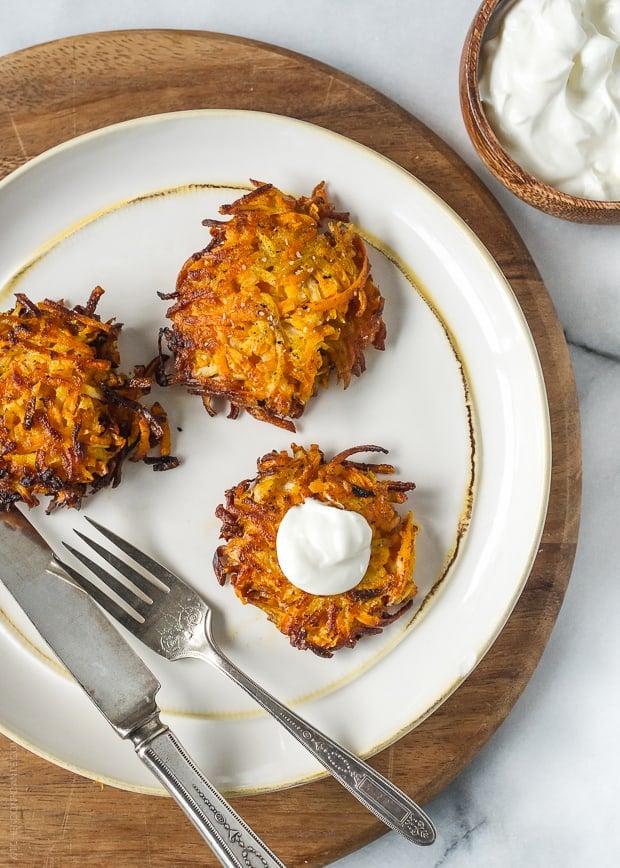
x,y
230,837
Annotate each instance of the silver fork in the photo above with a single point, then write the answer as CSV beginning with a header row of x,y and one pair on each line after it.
x,y
173,620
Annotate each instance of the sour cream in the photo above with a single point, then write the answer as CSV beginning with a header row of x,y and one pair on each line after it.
x,y
323,549
550,86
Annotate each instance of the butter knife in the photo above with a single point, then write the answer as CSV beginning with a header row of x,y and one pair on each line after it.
x,y
121,686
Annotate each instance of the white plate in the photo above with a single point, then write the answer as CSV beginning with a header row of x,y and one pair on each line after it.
x,y
457,397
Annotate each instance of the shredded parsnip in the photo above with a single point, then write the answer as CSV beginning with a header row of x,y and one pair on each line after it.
x,y
68,417
250,518
280,298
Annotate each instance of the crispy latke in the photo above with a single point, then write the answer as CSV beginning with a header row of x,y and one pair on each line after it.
x,y
281,297
250,518
68,417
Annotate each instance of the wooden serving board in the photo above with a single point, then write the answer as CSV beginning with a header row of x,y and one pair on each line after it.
x,y
53,92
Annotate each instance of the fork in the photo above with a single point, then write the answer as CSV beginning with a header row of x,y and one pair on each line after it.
x,y
173,620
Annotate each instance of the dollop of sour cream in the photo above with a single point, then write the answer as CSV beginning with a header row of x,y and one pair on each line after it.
x,y
550,86
323,549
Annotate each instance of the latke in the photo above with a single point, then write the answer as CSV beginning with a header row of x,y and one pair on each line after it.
x,y
250,518
68,417
280,298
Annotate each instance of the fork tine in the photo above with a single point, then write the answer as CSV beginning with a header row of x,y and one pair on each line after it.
x,y
142,586
126,591
128,619
158,570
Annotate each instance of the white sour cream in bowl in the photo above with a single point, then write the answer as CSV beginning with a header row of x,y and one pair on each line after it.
x,y
323,549
550,87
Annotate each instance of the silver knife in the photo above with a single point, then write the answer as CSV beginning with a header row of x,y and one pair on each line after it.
x,y
120,685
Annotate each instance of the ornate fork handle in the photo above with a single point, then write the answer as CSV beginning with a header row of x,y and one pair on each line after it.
x,y
374,791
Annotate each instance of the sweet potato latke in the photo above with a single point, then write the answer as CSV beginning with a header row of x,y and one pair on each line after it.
x,y
68,418
280,298
250,519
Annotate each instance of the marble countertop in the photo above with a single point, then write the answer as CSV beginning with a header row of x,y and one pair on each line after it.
x,y
551,771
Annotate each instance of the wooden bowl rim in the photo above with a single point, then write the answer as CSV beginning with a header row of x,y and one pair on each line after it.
x,y
492,153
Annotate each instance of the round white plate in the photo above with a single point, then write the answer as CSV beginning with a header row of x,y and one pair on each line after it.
x,y
457,398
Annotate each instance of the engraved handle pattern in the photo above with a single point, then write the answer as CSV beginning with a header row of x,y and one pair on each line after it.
x,y
371,788
230,838
378,794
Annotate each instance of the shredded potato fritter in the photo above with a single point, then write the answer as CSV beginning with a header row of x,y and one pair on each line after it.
x,y
250,519
280,298
68,418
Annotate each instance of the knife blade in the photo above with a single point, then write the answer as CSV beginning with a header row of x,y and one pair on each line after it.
x,y
121,686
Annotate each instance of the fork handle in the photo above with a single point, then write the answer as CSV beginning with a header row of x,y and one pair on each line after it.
x,y
230,838
369,787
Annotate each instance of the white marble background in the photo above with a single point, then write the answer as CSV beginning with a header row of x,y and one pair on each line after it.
x,y
542,793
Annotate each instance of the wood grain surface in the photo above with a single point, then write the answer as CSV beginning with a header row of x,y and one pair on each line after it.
x,y
50,93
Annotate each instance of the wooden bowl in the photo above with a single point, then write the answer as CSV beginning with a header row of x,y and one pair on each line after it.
x,y
493,155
